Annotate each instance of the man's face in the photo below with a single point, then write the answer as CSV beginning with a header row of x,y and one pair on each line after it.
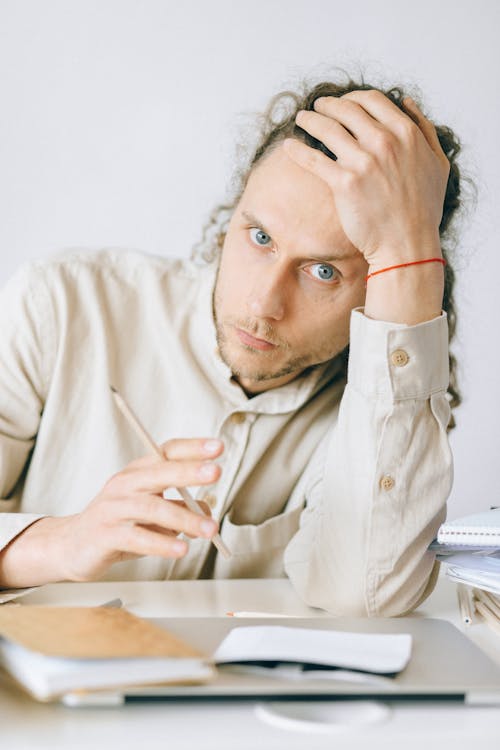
x,y
288,277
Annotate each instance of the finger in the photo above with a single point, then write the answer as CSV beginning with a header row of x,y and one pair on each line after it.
x,y
381,108
204,507
138,540
425,125
311,159
180,449
161,474
154,511
350,114
330,132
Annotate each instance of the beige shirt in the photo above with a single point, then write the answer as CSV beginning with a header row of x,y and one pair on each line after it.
x,y
339,487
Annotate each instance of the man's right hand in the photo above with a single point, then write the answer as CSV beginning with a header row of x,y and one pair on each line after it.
x,y
129,518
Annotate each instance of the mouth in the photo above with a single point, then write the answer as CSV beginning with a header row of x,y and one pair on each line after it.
x,y
253,342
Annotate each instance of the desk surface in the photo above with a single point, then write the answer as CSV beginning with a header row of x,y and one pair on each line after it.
x,y
28,725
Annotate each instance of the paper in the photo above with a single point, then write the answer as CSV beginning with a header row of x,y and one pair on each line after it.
x,y
477,564
8,595
378,653
48,677
477,580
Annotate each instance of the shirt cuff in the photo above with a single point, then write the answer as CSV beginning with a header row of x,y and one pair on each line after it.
x,y
11,525
396,360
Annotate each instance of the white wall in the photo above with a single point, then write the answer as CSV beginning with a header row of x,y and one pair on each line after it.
x,y
119,117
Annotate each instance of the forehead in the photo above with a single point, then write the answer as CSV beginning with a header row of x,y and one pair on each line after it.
x,y
292,203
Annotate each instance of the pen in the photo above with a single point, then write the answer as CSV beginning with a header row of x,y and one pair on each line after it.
x,y
465,604
148,441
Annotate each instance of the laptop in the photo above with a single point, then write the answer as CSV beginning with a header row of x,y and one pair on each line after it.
x,y
445,665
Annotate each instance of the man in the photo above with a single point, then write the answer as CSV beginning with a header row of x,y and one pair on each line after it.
x,y
339,487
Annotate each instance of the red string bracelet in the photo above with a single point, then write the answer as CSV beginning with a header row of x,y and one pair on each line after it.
x,y
404,265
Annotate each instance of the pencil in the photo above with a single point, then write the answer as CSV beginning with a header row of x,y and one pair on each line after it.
x,y
465,604
257,614
486,598
489,616
148,441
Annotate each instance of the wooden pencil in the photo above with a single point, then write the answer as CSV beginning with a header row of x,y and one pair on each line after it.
x,y
488,600
489,616
148,441
464,603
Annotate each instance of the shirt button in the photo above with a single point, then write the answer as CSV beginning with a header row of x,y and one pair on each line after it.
x,y
238,417
399,358
387,482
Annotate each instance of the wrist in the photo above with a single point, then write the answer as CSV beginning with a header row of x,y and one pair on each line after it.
x,y
408,251
35,556
397,266
410,295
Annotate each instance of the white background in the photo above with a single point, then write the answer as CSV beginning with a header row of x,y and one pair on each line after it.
x,y
119,120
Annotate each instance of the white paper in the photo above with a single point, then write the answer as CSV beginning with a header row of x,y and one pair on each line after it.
x,y
380,652
46,676
480,564
471,578
480,571
8,595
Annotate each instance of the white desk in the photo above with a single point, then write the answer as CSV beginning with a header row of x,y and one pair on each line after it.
x,y
26,725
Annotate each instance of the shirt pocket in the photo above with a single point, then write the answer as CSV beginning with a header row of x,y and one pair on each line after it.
x,y
257,549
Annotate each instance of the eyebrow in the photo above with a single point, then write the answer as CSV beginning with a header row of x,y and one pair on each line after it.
x,y
313,256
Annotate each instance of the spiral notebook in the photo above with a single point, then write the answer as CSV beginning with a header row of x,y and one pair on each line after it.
x,y
476,530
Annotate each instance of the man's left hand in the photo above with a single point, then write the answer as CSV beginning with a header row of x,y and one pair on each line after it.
x,y
389,180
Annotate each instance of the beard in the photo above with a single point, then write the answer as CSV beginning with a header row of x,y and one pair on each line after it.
x,y
258,366
241,365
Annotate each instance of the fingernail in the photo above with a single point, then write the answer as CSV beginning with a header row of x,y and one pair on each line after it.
x,y
179,547
207,471
212,446
208,528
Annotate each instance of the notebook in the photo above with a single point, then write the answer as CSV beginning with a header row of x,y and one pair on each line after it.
x,y
479,529
52,650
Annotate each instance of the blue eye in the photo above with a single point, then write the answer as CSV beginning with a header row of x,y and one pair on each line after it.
x,y
323,271
259,237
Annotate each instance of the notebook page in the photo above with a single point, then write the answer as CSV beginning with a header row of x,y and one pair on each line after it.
x,y
380,653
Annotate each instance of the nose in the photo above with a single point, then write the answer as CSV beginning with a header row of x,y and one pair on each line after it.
x,y
267,299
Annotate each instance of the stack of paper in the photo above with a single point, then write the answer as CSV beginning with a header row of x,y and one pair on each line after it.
x,y
474,569
470,549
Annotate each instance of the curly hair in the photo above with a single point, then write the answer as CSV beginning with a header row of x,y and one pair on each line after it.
x,y
278,122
